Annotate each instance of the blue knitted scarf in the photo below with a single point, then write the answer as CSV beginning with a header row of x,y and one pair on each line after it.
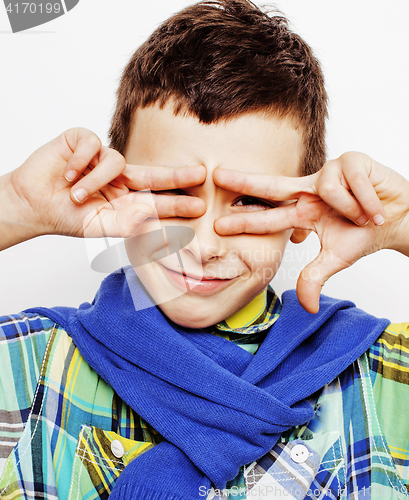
x,y
217,406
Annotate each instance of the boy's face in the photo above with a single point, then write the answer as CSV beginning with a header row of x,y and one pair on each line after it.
x,y
242,265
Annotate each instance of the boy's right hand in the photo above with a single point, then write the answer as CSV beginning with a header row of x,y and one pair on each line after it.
x,y
43,196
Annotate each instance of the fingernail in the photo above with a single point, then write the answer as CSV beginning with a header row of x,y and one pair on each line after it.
x,y
79,195
71,175
363,220
141,215
378,220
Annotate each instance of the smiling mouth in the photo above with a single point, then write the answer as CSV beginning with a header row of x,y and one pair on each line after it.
x,y
194,283
203,278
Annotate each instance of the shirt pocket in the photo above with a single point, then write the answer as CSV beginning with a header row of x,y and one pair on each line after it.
x,y
299,469
99,459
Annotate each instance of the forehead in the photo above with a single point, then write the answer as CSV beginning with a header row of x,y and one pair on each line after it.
x,y
252,143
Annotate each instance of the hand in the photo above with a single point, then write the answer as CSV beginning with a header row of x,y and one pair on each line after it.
x,y
355,205
42,199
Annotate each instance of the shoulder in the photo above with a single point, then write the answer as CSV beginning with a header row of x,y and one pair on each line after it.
x,y
23,339
18,326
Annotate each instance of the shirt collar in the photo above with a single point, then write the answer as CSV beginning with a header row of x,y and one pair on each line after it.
x,y
256,316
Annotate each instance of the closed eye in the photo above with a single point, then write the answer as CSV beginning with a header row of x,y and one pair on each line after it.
x,y
253,204
174,192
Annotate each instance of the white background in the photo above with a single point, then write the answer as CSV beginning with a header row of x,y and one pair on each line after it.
x,y
65,73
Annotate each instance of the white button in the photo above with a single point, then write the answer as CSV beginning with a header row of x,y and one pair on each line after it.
x,y
299,453
117,448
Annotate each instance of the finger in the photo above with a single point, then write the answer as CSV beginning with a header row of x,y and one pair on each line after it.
x,y
271,221
364,191
337,196
122,223
313,277
111,165
164,206
115,189
302,214
179,206
85,146
162,178
111,192
275,188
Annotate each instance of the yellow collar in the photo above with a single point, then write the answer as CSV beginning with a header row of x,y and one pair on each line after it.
x,y
249,313
256,316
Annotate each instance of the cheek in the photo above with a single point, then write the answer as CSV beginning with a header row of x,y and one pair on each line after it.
x,y
157,246
148,240
155,241
264,254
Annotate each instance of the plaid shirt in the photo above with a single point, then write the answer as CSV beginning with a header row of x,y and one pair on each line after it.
x,y
60,422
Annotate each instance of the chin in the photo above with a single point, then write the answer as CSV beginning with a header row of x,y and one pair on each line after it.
x,y
197,321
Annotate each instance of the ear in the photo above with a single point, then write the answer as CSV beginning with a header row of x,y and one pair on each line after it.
x,y
299,235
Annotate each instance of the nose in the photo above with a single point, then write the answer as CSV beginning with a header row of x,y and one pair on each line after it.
x,y
208,245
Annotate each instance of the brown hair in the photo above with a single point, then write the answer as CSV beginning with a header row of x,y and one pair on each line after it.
x,y
220,58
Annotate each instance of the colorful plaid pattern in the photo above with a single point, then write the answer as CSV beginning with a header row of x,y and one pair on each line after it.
x,y
58,420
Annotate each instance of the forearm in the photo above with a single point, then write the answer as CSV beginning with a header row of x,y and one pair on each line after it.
x,y
14,221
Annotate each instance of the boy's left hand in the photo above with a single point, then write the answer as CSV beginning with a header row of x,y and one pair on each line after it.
x,y
355,205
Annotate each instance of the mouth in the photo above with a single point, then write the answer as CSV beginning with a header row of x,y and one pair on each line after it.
x,y
195,284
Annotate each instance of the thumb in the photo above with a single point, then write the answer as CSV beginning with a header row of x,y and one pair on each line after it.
x,y
121,223
313,277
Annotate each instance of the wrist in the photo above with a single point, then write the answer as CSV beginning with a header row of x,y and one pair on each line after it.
x,y
16,218
401,239
399,228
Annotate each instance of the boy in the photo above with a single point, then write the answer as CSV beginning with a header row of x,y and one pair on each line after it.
x,y
221,391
